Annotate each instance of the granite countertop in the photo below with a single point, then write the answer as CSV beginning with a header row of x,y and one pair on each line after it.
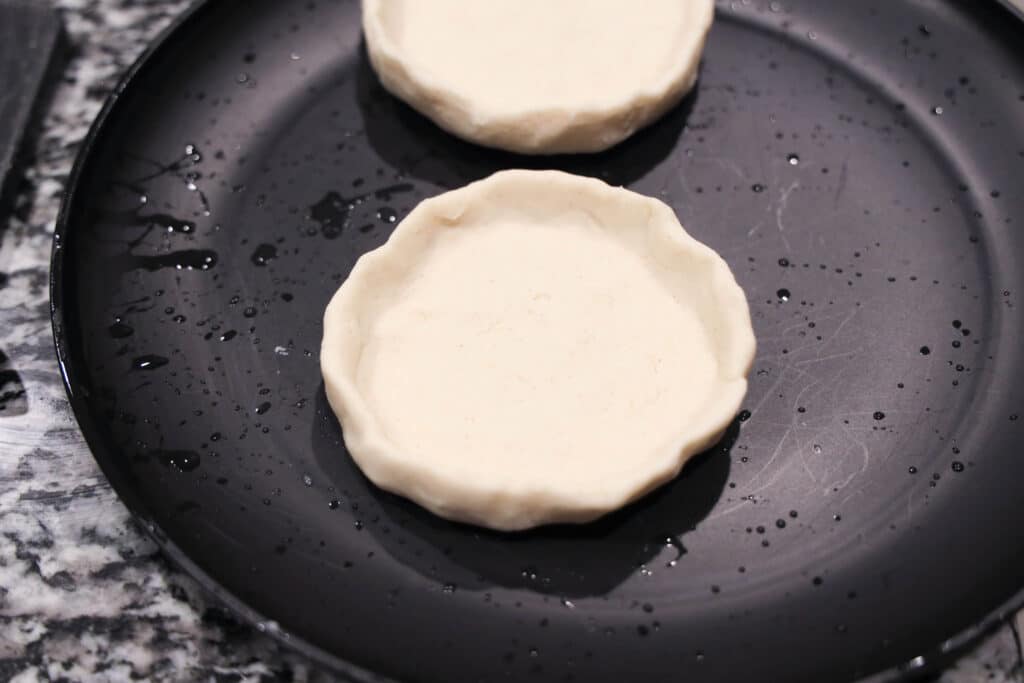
x,y
84,594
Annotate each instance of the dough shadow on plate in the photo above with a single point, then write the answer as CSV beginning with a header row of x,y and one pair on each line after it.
x,y
570,561
416,147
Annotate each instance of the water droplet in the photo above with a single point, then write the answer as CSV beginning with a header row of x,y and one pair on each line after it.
x,y
228,336
938,111
879,415
183,461
568,604
250,312
179,319
149,362
188,259
119,330
263,408
958,466
264,254
744,415
334,504
783,294
817,581
307,480
925,350
912,469
794,514
817,449
387,214
757,187
174,225
784,262
793,160
242,78
780,523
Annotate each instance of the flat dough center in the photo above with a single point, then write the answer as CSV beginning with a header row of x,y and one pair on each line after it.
x,y
522,352
557,52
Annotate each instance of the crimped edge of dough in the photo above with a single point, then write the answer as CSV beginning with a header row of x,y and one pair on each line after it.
x,y
532,130
499,507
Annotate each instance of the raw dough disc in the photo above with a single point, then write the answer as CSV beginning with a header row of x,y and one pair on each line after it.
x,y
538,76
535,347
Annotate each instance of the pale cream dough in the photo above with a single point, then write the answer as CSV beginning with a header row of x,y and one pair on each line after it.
x,y
535,347
538,76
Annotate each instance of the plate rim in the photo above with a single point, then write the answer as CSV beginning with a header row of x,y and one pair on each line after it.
x,y
942,654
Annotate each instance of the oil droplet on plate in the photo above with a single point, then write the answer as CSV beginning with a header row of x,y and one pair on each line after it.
x,y
783,294
183,461
149,362
119,330
264,254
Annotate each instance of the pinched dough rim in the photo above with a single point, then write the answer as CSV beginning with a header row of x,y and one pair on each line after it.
x,y
531,129
722,308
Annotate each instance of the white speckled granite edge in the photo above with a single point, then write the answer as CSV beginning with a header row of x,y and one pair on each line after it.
x,y
83,594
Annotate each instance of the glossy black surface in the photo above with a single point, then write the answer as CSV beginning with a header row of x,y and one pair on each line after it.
x,y
855,163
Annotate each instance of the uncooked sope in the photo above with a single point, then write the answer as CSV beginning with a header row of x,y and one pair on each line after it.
x,y
538,76
533,348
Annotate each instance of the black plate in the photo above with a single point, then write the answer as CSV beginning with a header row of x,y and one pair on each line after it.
x,y
856,163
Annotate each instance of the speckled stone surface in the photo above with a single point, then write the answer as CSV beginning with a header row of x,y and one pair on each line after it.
x,y
84,594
